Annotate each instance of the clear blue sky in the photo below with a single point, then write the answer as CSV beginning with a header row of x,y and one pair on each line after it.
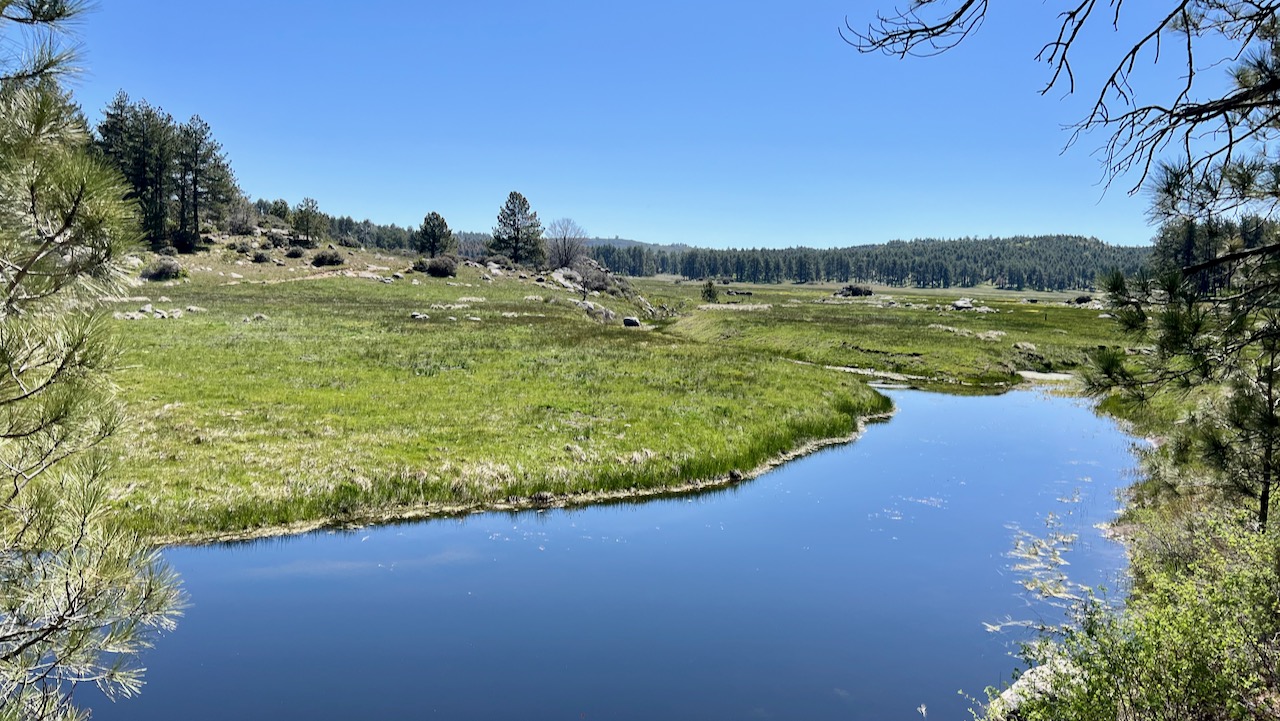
x,y
709,123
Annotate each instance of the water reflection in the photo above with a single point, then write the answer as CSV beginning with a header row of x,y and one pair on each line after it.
x,y
854,583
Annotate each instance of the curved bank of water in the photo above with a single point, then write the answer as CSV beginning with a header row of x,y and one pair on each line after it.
x,y
852,583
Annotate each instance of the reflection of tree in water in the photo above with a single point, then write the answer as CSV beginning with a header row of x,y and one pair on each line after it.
x,y
79,597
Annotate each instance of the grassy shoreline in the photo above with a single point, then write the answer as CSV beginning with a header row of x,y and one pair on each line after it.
x,y
569,500
280,407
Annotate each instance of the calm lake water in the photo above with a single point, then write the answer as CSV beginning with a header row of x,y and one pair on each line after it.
x,y
851,584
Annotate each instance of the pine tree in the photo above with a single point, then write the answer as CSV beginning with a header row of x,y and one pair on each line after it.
x,y
79,595
204,181
433,237
518,234
308,221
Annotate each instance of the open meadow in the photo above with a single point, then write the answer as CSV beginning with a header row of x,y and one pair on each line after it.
x,y
290,395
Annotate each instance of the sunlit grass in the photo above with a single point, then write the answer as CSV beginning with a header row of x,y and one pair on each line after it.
x,y
340,405
912,337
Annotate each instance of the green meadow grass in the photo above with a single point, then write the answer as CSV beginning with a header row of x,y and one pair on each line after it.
x,y
913,338
287,403
338,405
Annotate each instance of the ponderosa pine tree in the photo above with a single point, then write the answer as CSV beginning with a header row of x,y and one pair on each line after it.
x,y
204,181
518,234
142,142
308,221
79,595
433,237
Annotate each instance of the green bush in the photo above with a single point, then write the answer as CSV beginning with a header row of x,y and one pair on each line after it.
x,y
709,292
262,256
164,268
295,251
328,256
1197,641
443,266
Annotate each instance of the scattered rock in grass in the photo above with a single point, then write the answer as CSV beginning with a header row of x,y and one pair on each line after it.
x,y
962,332
195,309
163,299
419,316
631,322
236,276
599,312
962,304
398,276
453,318
991,335
473,318
1025,346
147,308
415,281
509,314
470,299
255,318
533,298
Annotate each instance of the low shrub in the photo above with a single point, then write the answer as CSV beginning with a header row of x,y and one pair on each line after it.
x,y
262,256
499,260
443,266
328,256
164,268
168,250
295,251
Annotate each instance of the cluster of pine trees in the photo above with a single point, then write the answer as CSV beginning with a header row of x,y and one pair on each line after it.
x,y
1055,262
177,173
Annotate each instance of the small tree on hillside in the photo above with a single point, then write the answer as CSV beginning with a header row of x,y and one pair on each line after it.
x,y
433,237
518,234
308,221
280,208
566,243
709,292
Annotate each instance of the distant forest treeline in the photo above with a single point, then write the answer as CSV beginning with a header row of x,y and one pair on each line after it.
x,y
184,186
1049,262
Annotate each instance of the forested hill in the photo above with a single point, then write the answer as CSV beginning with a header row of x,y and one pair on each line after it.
x,y
1046,262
